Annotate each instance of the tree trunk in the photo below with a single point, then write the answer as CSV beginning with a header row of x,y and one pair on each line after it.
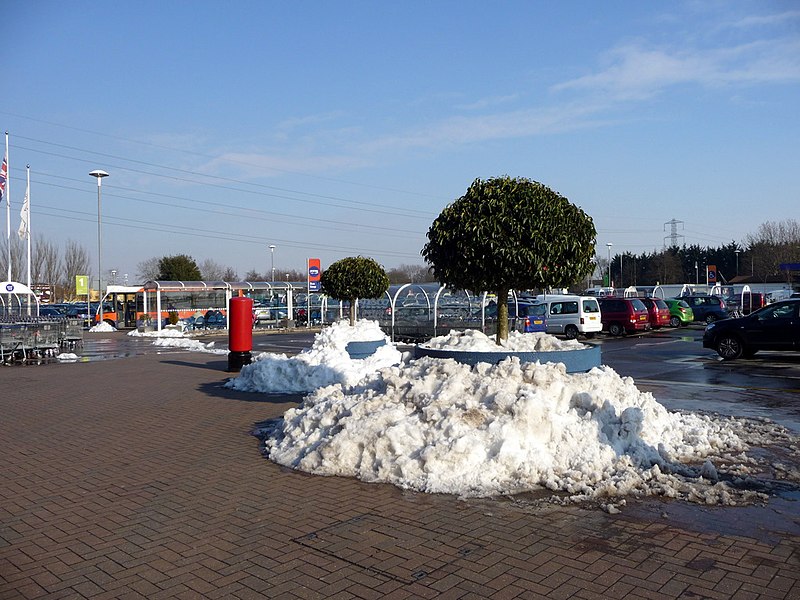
x,y
353,303
502,316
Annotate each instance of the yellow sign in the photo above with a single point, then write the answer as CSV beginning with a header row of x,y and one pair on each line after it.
x,y
81,285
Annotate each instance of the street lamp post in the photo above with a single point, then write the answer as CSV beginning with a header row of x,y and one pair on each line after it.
x,y
272,253
609,244
737,261
696,274
98,174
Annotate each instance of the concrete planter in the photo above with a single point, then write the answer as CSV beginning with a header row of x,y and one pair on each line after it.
x,y
576,361
358,350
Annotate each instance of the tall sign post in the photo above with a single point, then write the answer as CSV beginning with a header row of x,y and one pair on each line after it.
x,y
314,285
82,287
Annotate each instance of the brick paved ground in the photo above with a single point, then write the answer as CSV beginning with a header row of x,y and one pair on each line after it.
x,y
138,478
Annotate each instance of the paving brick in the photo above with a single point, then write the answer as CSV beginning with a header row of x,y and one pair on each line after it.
x,y
165,494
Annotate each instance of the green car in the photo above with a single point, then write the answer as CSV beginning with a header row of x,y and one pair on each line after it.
x,y
680,313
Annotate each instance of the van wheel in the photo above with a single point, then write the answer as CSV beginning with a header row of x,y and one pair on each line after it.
x,y
710,319
571,332
615,329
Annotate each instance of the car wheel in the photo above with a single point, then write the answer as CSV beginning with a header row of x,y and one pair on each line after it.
x,y
615,329
729,347
710,319
674,322
571,332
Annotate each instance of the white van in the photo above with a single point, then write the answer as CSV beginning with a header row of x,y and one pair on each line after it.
x,y
571,316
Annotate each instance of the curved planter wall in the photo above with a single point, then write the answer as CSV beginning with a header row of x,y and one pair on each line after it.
x,y
363,349
576,361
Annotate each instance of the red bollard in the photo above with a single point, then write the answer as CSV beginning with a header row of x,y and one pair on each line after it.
x,y
240,333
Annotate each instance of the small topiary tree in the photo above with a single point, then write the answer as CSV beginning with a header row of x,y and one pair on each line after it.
x,y
353,278
506,234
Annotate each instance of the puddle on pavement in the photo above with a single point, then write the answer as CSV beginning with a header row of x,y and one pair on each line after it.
x,y
770,522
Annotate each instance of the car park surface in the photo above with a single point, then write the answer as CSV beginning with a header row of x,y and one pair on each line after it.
x,y
774,327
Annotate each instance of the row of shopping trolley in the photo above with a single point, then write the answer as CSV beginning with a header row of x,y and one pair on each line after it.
x,y
34,338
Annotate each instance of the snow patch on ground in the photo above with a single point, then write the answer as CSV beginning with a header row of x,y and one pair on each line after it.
x,y
325,363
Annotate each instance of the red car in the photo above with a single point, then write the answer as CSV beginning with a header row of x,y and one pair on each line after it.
x,y
623,315
658,311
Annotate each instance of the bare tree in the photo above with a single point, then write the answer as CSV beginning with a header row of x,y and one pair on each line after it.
x,y
76,262
774,243
148,270
230,274
410,274
18,254
211,270
46,265
253,275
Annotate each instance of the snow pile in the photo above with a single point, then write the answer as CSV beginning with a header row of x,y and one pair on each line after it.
x,y
324,364
180,341
472,340
436,425
67,357
102,328
164,333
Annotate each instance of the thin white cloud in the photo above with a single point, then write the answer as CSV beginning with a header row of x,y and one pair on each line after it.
x,y
767,20
637,73
257,165
307,120
489,102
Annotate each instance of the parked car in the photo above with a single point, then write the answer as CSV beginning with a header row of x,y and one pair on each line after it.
x,y
571,315
535,319
774,327
746,303
658,311
623,315
706,308
51,311
680,313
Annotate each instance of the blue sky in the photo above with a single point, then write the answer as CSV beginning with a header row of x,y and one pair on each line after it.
x,y
333,129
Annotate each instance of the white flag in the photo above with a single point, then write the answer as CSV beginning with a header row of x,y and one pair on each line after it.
x,y
24,215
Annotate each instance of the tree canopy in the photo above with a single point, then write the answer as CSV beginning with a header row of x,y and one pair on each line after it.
x,y
178,268
506,234
352,278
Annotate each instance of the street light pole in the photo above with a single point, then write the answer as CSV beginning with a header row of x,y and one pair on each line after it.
x,y
737,261
609,244
98,174
272,253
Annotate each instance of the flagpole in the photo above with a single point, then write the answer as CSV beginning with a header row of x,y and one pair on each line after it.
x,y
28,228
8,209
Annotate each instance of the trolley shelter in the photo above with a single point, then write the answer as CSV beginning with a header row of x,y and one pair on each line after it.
x,y
14,296
188,298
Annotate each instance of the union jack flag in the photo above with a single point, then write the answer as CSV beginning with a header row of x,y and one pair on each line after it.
x,y
3,176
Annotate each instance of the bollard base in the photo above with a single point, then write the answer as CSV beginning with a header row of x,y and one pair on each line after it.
x,y
236,360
